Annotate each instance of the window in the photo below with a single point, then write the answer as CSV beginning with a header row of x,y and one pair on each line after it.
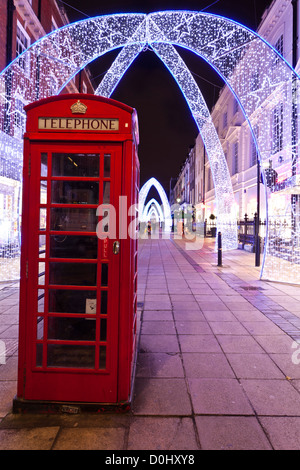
x,y
235,107
225,120
53,24
235,161
279,45
253,154
22,43
84,87
279,48
277,128
254,81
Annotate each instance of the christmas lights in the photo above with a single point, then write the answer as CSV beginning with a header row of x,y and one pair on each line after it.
x,y
265,86
152,206
143,209
227,221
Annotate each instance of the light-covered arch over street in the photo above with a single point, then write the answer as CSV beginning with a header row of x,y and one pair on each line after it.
x,y
152,205
164,208
235,52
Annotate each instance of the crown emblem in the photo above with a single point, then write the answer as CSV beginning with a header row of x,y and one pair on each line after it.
x,y
78,107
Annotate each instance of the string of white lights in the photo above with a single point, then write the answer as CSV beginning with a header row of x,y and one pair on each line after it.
x,y
227,221
150,206
162,194
264,84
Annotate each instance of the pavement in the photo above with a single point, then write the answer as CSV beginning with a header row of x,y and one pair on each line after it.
x,y
218,364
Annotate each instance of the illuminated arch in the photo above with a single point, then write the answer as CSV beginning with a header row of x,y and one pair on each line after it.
x,y
165,203
235,52
150,206
227,219
153,214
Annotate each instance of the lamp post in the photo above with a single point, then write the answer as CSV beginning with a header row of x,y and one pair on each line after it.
x,y
257,237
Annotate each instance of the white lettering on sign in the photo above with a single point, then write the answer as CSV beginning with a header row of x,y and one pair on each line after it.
x,y
79,124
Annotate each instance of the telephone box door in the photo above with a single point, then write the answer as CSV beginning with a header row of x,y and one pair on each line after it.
x,y
72,272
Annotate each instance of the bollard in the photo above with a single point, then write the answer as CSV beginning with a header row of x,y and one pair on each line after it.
x,y
257,250
219,249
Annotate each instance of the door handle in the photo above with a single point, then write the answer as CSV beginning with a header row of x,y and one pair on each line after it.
x,y
116,248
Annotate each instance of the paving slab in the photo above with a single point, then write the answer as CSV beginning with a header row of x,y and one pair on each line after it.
x,y
158,328
283,432
90,439
215,396
174,434
272,397
199,343
41,438
285,363
189,315
158,343
245,344
159,365
219,315
166,397
228,328
276,343
231,433
254,366
193,328
207,365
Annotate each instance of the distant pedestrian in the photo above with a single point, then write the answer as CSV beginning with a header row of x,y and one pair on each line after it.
x,y
149,229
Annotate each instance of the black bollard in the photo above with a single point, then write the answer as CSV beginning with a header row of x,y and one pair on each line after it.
x,y
219,249
257,250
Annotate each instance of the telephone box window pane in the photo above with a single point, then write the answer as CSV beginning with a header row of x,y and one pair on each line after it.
x,y
40,328
104,274
75,192
72,329
41,275
73,220
75,164
73,274
72,301
105,225
73,246
44,165
78,356
43,192
102,357
39,355
106,192
42,246
103,329
41,300
43,219
107,165
104,301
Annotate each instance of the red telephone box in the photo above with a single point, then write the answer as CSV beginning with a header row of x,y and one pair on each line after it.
x,y
78,302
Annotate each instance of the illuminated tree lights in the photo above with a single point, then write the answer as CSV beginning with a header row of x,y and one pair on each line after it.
x,y
265,86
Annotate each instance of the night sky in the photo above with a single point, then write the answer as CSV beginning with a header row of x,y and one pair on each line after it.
x,y
167,129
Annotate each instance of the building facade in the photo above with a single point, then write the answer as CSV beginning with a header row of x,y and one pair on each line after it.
x,y
279,26
23,22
